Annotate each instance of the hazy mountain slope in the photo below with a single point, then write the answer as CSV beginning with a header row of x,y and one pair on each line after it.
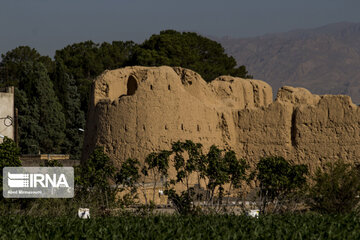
x,y
323,60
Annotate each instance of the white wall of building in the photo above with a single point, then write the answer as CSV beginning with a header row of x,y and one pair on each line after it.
x,y
7,120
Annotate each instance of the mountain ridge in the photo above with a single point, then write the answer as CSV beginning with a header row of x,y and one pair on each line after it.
x,y
324,60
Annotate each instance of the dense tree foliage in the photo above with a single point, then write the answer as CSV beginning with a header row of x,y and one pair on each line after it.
x,y
74,116
12,64
98,169
9,156
95,177
50,118
278,178
86,60
188,50
336,189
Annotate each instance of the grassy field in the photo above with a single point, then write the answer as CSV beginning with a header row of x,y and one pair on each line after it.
x,y
307,226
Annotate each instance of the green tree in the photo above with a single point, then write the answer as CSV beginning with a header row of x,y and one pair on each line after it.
x,y
46,111
127,178
116,54
29,128
187,160
278,178
156,167
9,155
335,189
11,66
98,169
224,169
81,63
216,172
74,117
96,177
86,60
188,50
216,169
236,169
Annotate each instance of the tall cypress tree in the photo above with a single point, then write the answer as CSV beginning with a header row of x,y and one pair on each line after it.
x,y
46,109
28,123
69,97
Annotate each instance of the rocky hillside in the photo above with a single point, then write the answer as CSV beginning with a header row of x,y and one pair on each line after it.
x,y
325,60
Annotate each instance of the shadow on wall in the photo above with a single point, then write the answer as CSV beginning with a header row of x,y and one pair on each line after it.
x,y
131,85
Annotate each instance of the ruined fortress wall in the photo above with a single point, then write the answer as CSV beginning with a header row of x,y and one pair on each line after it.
x,y
137,110
327,131
264,131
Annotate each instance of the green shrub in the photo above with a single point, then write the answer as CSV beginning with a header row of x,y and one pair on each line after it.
x,y
336,188
219,174
126,180
9,156
278,180
96,177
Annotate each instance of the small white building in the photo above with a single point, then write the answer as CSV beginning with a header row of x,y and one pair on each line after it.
x,y
7,113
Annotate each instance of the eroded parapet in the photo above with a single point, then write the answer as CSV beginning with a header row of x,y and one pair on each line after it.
x,y
242,93
328,131
296,96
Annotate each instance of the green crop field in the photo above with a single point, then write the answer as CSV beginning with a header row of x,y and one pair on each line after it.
x,y
307,226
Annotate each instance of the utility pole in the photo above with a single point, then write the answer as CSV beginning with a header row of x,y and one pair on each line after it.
x,y
16,127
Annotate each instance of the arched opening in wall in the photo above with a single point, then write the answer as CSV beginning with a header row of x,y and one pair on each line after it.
x,y
131,86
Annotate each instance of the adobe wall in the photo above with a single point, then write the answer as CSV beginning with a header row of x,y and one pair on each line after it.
x,y
137,110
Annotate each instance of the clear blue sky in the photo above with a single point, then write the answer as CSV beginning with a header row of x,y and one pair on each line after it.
x,y
48,25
